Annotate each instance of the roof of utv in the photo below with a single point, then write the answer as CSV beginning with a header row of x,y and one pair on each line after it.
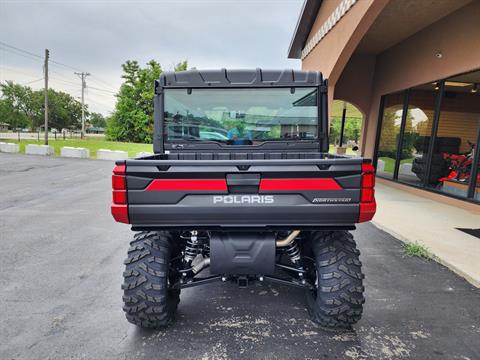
x,y
239,78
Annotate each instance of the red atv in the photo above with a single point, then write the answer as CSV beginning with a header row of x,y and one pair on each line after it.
x,y
460,165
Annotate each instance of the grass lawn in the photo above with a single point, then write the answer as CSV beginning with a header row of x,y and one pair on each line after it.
x,y
93,144
390,163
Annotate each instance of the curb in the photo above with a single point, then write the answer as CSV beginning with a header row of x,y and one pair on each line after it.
x,y
34,149
475,282
73,152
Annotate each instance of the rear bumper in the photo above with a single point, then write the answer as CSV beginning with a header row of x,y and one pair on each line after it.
x,y
288,217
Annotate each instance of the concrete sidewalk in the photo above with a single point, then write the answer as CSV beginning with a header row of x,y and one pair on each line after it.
x,y
413,218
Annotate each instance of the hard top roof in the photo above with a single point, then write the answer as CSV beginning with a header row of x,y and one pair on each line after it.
x,y
222,78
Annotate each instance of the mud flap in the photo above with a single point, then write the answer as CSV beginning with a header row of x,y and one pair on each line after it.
x,y
242,253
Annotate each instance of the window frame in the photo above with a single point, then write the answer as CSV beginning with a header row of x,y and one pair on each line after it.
x,y
320,144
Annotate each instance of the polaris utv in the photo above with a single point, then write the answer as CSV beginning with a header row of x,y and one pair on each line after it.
x,y
241,188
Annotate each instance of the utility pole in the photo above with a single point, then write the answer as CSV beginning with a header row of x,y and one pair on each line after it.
x,y
45,69
82,76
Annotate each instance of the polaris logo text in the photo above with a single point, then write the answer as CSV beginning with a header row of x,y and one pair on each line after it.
x,y
243,199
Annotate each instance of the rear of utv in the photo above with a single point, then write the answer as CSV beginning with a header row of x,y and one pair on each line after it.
x,y
241,189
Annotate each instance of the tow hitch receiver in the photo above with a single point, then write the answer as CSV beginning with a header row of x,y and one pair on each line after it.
x,y
242,281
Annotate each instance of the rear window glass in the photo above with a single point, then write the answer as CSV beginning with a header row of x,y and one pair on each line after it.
x,y
241,116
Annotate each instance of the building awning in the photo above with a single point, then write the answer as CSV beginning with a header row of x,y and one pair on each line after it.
x,y
304,25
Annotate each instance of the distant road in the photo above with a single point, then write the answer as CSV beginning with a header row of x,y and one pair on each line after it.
x,y
34,135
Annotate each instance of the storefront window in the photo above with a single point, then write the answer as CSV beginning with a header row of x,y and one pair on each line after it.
x,y
450,109
416,137
391,122
458,126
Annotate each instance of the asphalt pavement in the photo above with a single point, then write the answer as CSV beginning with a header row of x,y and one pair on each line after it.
x,y
61,264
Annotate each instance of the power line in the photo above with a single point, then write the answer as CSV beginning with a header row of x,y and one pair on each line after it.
x,y
65,81
64,65
33,81
28,54
105,90
109,107
32,56
65,76
100,96
21,50
36,80
55,79
100,81
15,70
21,54
35,55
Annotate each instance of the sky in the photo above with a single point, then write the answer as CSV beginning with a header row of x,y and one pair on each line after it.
x,y
98,36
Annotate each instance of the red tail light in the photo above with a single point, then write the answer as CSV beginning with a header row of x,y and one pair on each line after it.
x,y
120,213
119,195
367,194
119,170
118,182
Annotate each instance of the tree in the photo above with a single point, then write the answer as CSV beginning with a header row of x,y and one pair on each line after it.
x,y
9,115
64,112
181,66
132,119
390,130
351,131
409,137
20,106
97,120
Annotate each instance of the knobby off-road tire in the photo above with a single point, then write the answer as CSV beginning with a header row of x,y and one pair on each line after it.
x,y
148,301
337,302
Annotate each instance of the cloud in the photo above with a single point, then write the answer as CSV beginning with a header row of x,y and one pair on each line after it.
x,y
98,36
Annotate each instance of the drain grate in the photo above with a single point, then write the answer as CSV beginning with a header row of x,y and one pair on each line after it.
x,y
473,232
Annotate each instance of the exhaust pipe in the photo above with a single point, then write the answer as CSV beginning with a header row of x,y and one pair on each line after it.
x,y
288,240
201,265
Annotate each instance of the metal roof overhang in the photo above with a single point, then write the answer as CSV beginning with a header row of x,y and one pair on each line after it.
x,y
304,25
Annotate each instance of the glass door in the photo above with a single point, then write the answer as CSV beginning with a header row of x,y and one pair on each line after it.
x,y
457,134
